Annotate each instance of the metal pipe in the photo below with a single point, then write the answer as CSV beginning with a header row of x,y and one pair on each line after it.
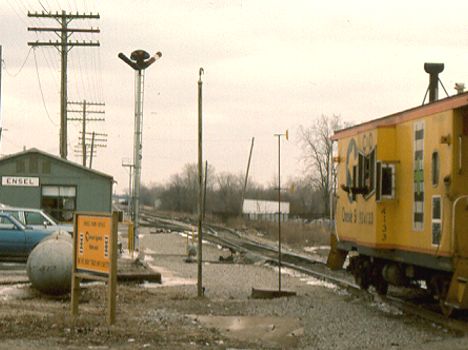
x,y
454,205
200,186
279,206
204,189
137,147
460,154
139,60
279,213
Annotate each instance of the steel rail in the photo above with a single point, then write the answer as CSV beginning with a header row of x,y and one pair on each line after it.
x,y
314,268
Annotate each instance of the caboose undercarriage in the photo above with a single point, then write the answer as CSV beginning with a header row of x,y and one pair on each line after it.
x,y
380,268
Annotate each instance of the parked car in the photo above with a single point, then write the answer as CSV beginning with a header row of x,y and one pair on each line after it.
x,y
36,218
16,239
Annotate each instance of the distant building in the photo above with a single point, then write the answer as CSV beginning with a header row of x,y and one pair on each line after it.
x,y
36,179
264,210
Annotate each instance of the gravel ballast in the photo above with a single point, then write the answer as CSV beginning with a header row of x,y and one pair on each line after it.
x,y
331,318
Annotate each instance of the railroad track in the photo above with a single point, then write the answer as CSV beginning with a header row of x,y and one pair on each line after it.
x,y
232,240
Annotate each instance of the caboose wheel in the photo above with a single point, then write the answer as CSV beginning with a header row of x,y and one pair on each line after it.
x,y
362,280
360,267
381,286
446,309
439,287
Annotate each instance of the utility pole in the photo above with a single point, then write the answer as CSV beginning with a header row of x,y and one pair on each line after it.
x,y
279,206
1,68
200,186
139,60
90,140
64,45
247,175
84,119
92,151
204,190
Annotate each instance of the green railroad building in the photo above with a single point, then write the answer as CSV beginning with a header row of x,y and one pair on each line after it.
x,y
36,179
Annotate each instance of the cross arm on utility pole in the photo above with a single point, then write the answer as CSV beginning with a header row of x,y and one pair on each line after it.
x,y
87,119
58,43
87,111
95,139
91,133
63,45
68,30
67,15
87,103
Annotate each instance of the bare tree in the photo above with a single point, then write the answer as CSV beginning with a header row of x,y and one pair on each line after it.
x,y
305,200
229,192
317,151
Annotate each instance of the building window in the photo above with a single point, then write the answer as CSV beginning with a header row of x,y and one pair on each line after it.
x,y
436,219
59,201
435,171
33,164
20,167
46,167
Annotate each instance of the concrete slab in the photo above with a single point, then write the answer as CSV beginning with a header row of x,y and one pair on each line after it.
x,y
270,331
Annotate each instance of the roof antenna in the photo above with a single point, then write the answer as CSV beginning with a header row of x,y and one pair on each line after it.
x,y
433,89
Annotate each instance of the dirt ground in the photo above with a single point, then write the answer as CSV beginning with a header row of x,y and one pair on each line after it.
x,y
173,317
154,318
36,321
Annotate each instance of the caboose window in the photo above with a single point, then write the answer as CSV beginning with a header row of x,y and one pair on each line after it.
x,y
364,174
369,175
436,219
385,181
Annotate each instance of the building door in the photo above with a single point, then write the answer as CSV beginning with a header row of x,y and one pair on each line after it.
x,y
59,202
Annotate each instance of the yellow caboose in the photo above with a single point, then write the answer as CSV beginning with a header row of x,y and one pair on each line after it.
x,y
402,199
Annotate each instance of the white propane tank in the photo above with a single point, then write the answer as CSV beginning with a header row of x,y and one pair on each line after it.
x,y
50,263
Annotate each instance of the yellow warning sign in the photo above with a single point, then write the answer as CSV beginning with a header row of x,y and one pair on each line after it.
x,y
93,239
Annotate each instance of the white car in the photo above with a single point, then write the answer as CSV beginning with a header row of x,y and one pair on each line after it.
x,y
35,218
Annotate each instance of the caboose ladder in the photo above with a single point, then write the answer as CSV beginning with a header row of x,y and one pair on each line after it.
x,y
458,292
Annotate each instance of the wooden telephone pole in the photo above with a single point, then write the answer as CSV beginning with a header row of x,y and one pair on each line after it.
x,y
84,119
91,140
64,45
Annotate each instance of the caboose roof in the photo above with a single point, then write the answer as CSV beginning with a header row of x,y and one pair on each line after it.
x,y
442,105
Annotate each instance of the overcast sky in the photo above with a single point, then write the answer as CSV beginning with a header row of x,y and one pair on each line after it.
x,y
269,66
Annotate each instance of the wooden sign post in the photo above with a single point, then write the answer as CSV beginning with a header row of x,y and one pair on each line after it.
x,y
95,256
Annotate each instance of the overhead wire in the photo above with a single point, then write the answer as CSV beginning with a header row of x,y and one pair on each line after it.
x,y
40,88
16,12
20,69
90,80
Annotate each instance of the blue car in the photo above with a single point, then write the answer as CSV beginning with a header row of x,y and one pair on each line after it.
x,y
17,240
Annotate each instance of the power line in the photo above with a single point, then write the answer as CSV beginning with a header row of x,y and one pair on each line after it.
x,y
40,88
16,12
63,46
86,108
20,69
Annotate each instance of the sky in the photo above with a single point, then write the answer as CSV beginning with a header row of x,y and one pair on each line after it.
x,y
270,66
